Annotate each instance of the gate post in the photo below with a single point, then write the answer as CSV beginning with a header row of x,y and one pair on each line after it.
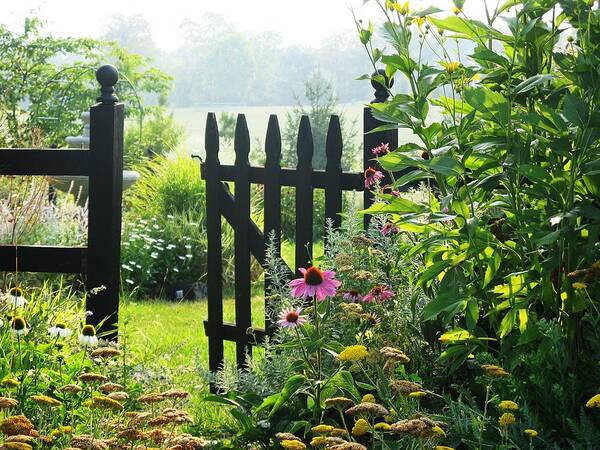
x,y
105,202
370,141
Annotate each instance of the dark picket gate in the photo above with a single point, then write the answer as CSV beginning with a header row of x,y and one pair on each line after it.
x,y
248,238
103,164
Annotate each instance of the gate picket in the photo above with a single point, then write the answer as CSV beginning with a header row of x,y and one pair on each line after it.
x,y
304,195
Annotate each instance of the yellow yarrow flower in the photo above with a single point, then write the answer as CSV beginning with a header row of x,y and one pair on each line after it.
x,y
443,447
508,405
438,431
289,444
368,398
322,429
578,286
417,394
593,402
354,353
382,426
506,419
530,433
319,441
361,427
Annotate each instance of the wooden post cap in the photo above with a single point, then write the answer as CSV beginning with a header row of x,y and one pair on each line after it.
x,y
107,76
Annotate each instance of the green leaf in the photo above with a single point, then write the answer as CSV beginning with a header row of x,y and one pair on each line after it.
x,y
483,54
507,324
293,385
576,110
455,335
531,83
489,104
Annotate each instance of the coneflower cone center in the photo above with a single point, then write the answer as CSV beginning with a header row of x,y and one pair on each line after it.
x,y
313,276
292,317
88,330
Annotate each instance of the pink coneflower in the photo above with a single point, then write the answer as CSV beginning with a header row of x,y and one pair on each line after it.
x,y
390,228
352,295
291,318
372,176
316,282
382,149
378,294
387,189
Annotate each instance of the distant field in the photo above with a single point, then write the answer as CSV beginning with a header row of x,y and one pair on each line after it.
x,y
194,120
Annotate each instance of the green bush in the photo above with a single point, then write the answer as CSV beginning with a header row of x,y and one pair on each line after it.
x,y
164,232
156,134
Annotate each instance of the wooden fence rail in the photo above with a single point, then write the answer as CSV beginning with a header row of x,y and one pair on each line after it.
x,y
249,239
103,164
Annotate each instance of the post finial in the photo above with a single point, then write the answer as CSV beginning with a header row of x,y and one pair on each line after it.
x,y
382,92
107,76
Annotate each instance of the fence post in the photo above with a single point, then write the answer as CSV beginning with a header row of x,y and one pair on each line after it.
x,y
370,141
304,195
272,199
243,309
333,169
105,202
214,329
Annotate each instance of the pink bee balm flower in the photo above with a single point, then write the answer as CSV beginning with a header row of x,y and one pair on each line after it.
x,y
372,177
352,295
291,318
390,228
382,149
316,282
378,294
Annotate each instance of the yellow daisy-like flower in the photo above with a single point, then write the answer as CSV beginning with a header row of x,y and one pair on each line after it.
x,y
322,429
382,426
368,398
354,353
361,427
402,8
456,10
530,433
506,419
417,394
451,66
289,444
508,405
593,402
578,286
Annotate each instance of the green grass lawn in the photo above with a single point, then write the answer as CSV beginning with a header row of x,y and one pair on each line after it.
x,y
167,339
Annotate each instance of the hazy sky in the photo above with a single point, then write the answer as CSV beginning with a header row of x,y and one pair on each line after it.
x,y
299,21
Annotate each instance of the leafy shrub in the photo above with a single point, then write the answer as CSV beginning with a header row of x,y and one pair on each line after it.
x,y
155,133
507,237
164,232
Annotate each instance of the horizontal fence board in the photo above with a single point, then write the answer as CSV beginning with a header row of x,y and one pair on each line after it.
x,y
231,332
350,181
42,259
44,162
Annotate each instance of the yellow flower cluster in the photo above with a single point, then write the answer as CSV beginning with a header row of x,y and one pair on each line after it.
x,y
368,398
506,419
290,444
403,9
508,405
353,353
530,433
593,402
361,427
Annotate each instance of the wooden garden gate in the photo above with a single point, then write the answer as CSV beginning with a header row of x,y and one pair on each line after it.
x,y
248,238
103,164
